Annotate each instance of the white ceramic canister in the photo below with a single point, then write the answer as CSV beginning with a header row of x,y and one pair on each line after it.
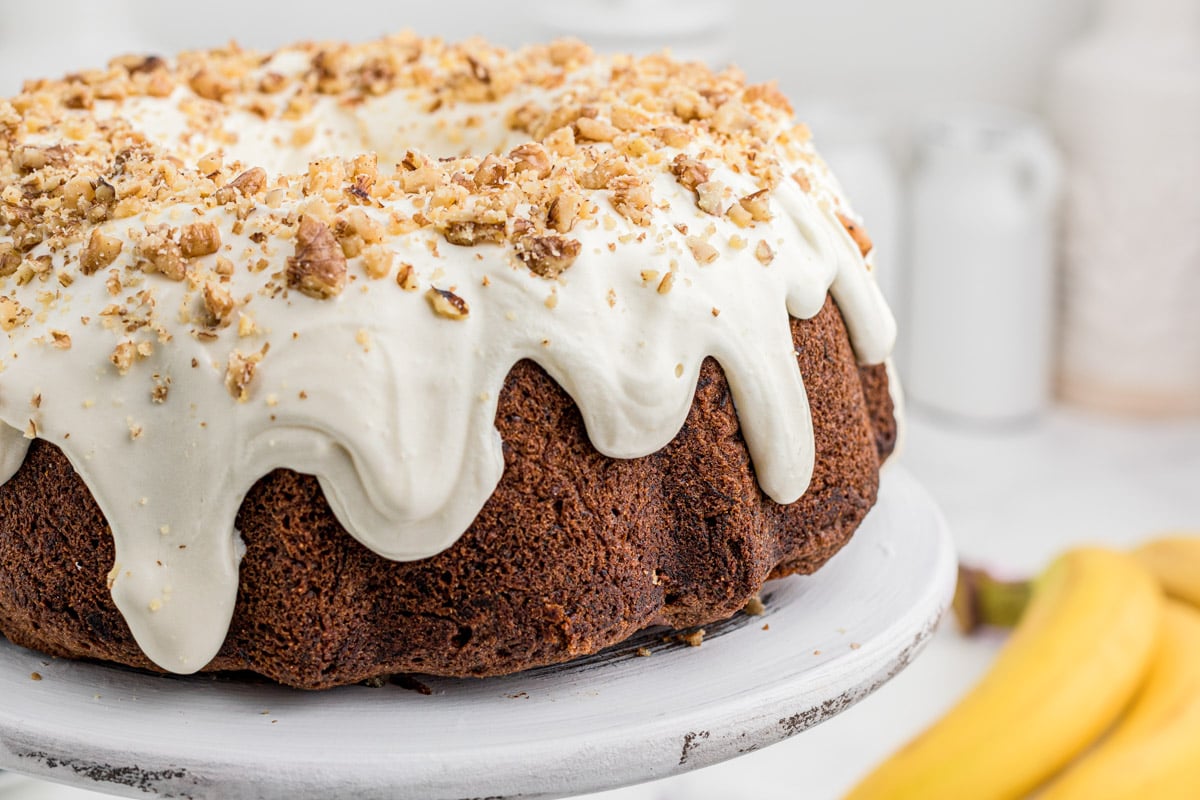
x,y
981,266
1125,101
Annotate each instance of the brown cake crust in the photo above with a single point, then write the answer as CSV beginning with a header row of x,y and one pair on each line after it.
x,y
573,552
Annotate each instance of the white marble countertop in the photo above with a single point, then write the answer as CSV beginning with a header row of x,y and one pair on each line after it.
x,y
1014,496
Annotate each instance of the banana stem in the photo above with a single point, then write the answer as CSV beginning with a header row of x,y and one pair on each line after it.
x,y
981,599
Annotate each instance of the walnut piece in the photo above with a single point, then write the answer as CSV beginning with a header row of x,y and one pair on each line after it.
x,y
318,269
764,253
200,239
704,252
532,156
160,252
690,172
468,233
239,372
99,252
547,256
564,211
60,339
631,198
12,314
218,303
757,205
406,278
447,304
711,197
248,184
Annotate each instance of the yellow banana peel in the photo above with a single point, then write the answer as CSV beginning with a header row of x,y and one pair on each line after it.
x,y
1175,561
1154,752
1077,657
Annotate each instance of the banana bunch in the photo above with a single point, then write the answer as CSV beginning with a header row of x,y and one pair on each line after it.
x,y
1096,695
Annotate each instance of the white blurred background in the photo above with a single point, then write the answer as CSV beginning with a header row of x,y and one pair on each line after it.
x,y
1029,173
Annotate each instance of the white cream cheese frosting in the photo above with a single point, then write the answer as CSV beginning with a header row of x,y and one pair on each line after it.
x,y
171,398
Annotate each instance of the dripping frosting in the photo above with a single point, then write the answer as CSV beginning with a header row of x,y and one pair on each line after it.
x,y
171,398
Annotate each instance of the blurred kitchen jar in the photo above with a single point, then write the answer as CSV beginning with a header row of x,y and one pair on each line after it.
x,y
1125,101
981,266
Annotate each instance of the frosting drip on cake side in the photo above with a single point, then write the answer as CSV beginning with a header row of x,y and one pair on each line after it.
x,y
387,392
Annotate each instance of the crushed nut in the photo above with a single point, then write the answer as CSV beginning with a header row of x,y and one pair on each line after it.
x,y
764,253
532,156
377,261
690,172
318,269
406,278
595,130
564,211
160,252
12,314
547,256
704,252
447,304
218,303
711,197
469,232
99,252
490,172
757,205
248,184
200,239
239,372
123,356
631,198
60,339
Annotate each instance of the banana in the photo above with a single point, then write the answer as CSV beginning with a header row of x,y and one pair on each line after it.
x,y
1175,561
1078,655
1154,752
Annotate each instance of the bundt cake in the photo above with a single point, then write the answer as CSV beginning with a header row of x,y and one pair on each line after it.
x,y
413,357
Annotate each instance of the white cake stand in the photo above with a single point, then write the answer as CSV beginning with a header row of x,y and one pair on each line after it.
x,y
617,718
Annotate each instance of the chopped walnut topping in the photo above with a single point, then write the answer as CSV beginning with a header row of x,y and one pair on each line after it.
x,y
595,130
162,387
10,259
406,278
547,256
757,205
532,156
377,261
764,253
159,251
200,239
123,356
711,197
447,304
704,252
99,252
667,283
248,184
60,339
564,211
490,172
239,372
469,233
318,269
690,172
857,233
631,198
12,314
210,85
218,303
